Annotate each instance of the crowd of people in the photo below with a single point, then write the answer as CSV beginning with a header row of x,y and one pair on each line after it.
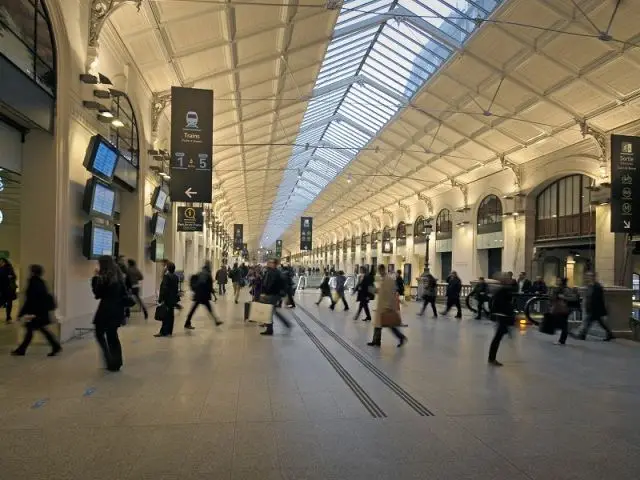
x,y
117,282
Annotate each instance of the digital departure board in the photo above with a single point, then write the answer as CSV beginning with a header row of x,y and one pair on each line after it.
x,y
159,199
158,223
101,158
98,240
99,199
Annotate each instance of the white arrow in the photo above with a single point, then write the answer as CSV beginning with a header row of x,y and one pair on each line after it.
x,y
188,192
627,224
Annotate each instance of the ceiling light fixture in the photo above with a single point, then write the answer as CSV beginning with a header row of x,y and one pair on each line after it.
x,y
116,122
105,113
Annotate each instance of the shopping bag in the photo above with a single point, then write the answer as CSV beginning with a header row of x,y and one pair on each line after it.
x,y
261,313
335,297
390,318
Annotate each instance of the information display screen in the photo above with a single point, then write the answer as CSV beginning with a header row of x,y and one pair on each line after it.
x,y
101,158
157,251
101,241
159,199
158,223
104,200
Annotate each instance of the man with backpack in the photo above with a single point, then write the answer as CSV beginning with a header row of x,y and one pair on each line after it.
x,y
202,288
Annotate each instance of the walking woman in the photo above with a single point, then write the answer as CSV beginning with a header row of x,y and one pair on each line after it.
x,y
387,302
108,287
429,295
8,287
364,293
38,303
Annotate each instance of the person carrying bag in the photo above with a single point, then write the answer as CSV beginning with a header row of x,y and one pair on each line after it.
x,y
387,314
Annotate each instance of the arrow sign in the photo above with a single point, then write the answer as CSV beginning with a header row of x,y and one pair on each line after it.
x,y
189,193
627,224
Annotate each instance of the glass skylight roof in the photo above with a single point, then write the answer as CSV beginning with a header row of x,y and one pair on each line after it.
x,y
381,54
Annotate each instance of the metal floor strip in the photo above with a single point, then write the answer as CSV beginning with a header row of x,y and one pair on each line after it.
x,y
369,404
405,396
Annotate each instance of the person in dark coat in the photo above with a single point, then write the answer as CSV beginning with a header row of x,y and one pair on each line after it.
x,y
202,296
8,287
341,281
481,293
400,284
273,289
108,287
524,284
502,313
222,278
429,294
538,287
595,308
325,291
38,303
454,288
364,293
560,298
135,278
169,297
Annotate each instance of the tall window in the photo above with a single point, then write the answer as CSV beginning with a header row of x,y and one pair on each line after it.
x,y
444,225
563,209
419,235
401,234
126,140
374,239
26,39
490,215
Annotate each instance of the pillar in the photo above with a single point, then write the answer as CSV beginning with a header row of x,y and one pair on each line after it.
x,y
613,266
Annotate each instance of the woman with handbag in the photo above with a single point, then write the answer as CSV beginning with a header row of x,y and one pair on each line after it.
x,y
387,312
167,301
38,304
109,288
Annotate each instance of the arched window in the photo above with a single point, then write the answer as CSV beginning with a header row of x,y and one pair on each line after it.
x,y
386,240
27,41
353,244
374,239
419,234
444,225
126,140
364,239
401,234
490,215
563,209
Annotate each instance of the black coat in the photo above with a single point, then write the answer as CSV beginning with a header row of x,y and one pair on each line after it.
x,y
595,305
273,285
362,288
454,287
38,302
324,286
400,285
169,290
204,287
539,287
526,286
502,305
111,307
8,286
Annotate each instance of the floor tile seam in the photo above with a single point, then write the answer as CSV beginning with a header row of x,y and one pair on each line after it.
x,y
361,394
367,362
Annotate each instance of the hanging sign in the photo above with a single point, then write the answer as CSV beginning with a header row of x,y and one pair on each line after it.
x,y
625,178
191,145
278,248
306,233
238,240
190,219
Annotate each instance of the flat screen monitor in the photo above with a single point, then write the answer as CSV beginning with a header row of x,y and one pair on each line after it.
x,y
126,174
157,250
158,223
99,199
101,158
98,240
159,199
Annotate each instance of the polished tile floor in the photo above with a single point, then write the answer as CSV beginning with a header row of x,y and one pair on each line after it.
x,y
226,403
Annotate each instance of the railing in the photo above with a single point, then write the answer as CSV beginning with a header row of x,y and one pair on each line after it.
x,y
539,305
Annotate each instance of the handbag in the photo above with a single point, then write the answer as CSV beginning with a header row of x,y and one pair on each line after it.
x,y
261,313
390,318
162,311
548,324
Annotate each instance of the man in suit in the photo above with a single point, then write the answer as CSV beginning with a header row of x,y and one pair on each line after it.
x,y
595,308
524,284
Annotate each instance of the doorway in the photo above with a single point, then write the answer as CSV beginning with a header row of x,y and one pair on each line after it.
x,y
446,262
494,264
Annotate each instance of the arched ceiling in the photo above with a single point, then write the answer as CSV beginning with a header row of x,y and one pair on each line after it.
x,y
516,90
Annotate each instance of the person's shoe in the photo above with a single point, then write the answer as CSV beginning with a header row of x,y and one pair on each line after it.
x,y
346,309
458,316
403,341
368,319
219,322
443,313
236,302
373,344
332,307
158,335
268,332
54,352
18,353
477,318
608,338
559,343
580,336
113,369
495,363
189,327
146,315
317,303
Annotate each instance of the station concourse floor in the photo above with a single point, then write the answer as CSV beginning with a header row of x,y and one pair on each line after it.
x,y
227,403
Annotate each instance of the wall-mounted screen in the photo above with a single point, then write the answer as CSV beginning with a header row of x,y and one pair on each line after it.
x,y
97,240
126,174
157,250
99,199
158,223
101,158
159,199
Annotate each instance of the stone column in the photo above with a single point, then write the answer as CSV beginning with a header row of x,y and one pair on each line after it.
x,y
613,266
